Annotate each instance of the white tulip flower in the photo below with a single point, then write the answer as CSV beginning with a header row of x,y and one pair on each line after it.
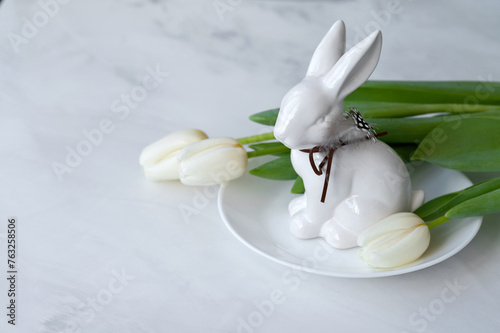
x,y
394,241
159,159
212,161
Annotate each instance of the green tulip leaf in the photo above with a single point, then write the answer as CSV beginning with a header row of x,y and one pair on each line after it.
x,y
409,98
439,207
428,92
278,169
271,145
435,207
488,203
472,144
266,117
298,186
476,190
414,130
405,151
397,110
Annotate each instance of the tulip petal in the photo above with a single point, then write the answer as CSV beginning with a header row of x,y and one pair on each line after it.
x,y
406,250
394,241
166,169
212,161
205,146
391,223
169,146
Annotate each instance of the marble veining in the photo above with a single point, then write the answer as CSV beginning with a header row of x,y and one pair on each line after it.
x,y
103,250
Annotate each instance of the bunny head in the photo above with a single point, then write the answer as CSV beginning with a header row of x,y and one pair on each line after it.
x,y
313,111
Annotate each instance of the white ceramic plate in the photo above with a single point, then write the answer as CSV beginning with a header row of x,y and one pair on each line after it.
x,y
256,211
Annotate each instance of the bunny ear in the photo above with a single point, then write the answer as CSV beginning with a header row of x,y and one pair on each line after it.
x,y
355,66
329,50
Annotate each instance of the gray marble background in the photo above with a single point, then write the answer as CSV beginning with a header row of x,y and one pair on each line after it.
x,y
103,250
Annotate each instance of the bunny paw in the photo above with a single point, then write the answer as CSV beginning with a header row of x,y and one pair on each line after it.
x,y
302,227
337,236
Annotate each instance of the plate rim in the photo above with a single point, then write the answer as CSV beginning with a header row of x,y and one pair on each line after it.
x,y
477,221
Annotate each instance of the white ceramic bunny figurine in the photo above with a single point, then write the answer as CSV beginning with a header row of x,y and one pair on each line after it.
x,y
366,180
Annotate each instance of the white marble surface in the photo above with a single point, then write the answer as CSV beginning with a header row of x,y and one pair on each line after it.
x,y
103,219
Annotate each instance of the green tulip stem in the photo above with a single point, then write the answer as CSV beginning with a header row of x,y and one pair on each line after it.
x,y
268,151
437,222
257,138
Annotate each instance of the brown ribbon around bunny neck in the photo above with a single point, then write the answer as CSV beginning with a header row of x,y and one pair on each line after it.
x,y
328,160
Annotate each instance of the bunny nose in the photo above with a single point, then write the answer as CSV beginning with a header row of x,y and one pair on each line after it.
x,y
280,128
281,135
278,133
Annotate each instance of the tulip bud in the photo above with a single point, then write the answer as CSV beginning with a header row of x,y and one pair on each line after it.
x,y
212,161
394,241
159,159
